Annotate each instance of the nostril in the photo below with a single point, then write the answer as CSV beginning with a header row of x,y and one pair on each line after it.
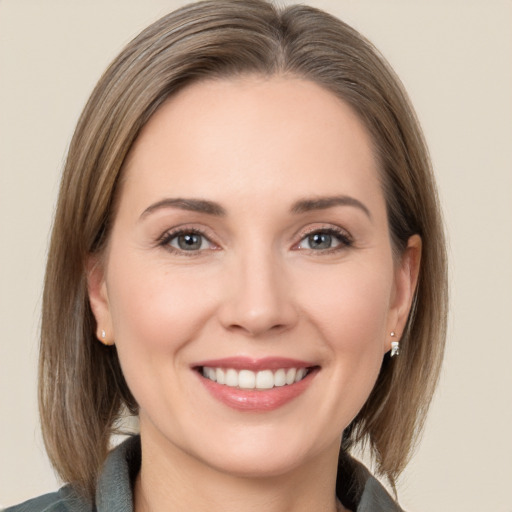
x,y
255,309
256,329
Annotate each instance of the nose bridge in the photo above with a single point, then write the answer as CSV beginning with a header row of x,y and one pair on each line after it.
x,y
259,299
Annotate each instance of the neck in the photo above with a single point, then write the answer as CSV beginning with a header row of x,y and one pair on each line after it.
x,y
171,479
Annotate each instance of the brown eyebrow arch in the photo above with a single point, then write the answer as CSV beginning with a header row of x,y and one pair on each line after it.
x,y
322,203
194,205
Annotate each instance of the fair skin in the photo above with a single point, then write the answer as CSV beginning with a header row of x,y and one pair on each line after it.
x,y
277,253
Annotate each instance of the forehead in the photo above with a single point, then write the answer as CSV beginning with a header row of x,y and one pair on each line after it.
x,y
255,136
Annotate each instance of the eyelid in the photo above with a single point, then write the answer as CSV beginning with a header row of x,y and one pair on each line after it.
x,y
342,235
164,239
345,238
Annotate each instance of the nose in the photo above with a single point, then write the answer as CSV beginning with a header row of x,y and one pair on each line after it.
x,y
258,299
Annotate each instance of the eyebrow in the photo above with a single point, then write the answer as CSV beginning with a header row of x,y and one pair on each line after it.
x,y
212,208
194,205
323,203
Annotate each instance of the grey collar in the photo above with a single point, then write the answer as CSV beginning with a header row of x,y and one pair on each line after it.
x,y
356,488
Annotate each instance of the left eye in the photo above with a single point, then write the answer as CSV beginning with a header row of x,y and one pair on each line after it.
x,y
188,242
322,240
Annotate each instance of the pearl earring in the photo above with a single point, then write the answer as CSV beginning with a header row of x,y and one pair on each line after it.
x,y
103,336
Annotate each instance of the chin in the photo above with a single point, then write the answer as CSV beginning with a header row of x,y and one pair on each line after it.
x,y
270,463
267,451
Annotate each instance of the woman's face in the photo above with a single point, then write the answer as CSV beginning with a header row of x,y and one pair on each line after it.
x,y
249,283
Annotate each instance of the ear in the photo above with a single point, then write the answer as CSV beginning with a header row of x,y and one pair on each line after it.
x,y
98,299
406,279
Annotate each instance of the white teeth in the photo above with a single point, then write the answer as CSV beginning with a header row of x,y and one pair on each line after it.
x,y
265,380
221,376
247,379
290,376
300,374
232,378
280,378
211,374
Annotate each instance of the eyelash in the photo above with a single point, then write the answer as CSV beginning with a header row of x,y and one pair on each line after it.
x,y
166,239
344,239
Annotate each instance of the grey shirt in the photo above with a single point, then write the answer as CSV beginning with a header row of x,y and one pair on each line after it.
x,y
356,488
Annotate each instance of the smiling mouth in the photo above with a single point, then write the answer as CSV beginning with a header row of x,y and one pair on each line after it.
x,y
255,380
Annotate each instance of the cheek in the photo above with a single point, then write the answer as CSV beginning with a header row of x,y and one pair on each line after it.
x,y
148,296
352,317
155,312
351,305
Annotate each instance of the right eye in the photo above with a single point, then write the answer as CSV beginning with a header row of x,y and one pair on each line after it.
x,y
186,241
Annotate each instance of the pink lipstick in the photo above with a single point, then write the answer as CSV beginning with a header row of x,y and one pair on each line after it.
x,y
256,385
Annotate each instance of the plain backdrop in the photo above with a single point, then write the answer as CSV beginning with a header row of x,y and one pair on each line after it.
x,y
455,59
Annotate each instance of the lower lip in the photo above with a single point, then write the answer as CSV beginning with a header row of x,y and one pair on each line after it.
x,y
257,400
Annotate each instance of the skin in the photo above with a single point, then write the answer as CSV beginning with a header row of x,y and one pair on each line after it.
x,y
256,287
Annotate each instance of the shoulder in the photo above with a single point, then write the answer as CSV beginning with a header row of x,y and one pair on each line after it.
x,y
375,497
47,502
64,500
359,490
113,491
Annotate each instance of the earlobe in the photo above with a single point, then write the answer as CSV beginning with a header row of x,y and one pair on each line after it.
x,y
405,287
98,299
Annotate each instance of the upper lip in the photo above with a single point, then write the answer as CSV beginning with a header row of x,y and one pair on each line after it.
x,y
248,363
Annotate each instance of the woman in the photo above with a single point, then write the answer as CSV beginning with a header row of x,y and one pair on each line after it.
x,y
247,254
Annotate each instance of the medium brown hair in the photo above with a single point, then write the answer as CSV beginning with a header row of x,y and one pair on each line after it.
x,y
82,390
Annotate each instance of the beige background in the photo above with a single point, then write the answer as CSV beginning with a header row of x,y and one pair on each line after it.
x,y
454,58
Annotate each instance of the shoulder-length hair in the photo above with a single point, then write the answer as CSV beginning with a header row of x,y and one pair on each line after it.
x,y
82,390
